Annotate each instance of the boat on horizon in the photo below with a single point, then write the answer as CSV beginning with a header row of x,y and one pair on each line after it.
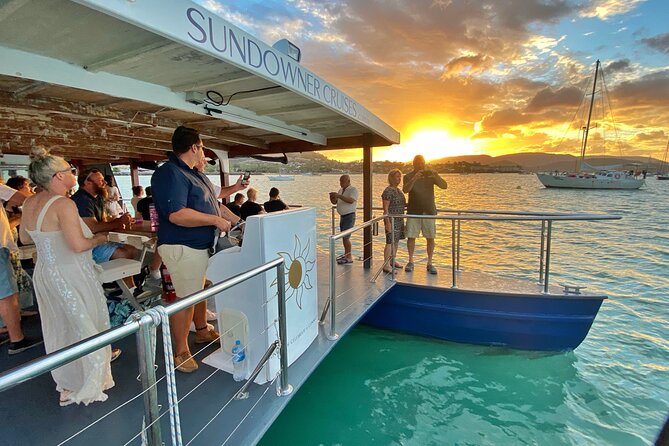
x,y
281,177
587,176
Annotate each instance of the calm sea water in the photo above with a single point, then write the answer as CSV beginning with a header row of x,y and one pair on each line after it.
x,y
383,388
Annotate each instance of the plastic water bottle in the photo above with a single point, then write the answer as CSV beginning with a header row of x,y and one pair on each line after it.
x,y
238,364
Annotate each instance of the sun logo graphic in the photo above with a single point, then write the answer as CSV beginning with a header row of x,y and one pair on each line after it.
x,y
298,269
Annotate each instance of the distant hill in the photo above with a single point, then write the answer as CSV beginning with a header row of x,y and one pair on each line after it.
x,y
529,162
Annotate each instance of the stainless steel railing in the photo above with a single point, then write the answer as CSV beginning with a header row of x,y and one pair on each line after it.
x,y
546,220
141,325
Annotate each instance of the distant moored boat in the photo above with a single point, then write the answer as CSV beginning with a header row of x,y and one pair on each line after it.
x,y
600,178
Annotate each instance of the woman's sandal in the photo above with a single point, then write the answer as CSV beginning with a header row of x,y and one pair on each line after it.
x,y
65,398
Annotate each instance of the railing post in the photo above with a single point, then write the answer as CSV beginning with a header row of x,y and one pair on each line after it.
x,y
333,290
453,255
332,211
284,387
541,252
548,255
147,373
458,262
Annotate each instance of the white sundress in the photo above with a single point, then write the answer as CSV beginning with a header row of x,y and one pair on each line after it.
x,y
72,307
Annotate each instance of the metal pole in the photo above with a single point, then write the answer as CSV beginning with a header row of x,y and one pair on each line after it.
x,y
453,255
541,252
333,289
284,388
332,211
242,394
548,255
147,373
458,264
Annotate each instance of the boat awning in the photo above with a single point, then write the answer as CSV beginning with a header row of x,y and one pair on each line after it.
x,y
109,80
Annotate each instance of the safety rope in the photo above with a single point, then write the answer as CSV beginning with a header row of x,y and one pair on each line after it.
x,y
160,314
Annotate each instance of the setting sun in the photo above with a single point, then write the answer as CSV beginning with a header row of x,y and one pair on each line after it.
x,y
432,144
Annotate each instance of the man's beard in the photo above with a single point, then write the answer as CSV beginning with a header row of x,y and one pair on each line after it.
x,y
102,191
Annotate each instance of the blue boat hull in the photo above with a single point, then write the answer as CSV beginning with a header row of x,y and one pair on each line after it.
x,y
530,322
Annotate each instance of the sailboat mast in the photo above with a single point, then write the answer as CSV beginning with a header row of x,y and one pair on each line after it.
x,y
592,101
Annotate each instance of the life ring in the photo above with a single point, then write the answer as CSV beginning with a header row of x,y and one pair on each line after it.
x,y
617,176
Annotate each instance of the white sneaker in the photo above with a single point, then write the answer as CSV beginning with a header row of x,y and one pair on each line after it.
x,y
155,274
211,316
193,330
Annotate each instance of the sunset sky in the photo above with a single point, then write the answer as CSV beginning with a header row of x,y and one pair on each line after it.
x,y
483,77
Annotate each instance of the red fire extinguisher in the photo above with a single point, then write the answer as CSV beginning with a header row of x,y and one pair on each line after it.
x,y
169,295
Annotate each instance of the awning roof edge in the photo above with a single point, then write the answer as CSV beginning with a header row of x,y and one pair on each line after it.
x,y
182,21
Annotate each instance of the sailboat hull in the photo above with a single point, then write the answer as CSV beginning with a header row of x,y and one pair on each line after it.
x,y
590,181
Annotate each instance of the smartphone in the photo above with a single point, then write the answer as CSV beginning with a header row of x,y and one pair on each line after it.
x,y
247,175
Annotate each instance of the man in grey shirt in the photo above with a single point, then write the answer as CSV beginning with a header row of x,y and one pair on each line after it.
x,y
419,184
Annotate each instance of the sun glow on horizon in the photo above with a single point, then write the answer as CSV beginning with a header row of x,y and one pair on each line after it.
x,y
431,143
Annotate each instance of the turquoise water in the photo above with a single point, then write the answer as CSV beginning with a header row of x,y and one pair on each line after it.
x,y
383,388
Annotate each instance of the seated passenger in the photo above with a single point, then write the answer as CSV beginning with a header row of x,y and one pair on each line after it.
x,y
21,184
274,204
250,207
137,194
71,300
90,201
144,205
236,205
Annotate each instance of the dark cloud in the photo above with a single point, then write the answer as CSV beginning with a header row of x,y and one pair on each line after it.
x,y
439,32
467,65
502,119
548,98
659,43
649,90
618,65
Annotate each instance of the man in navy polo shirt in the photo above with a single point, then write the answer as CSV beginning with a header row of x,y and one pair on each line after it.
x,y
188,215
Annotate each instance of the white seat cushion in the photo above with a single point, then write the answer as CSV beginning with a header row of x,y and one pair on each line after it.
x,y
118,269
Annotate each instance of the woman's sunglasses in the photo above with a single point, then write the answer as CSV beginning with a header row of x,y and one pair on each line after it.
x,y
71,169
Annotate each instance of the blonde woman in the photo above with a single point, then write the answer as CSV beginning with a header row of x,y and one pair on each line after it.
x,y
394,203
70,297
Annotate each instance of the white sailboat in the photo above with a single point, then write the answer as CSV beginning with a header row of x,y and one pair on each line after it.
x,y
586,176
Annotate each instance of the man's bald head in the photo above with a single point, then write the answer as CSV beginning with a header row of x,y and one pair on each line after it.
x,y
344,181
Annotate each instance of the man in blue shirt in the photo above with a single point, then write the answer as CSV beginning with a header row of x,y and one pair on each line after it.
x,y
188,215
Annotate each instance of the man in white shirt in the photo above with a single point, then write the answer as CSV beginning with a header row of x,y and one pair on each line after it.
x,y
346,200
9,293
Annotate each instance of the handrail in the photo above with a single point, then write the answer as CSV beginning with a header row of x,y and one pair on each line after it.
x,y
80,349
546,220
478,211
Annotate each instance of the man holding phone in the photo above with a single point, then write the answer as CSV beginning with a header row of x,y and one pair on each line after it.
x,y
419,184
189,214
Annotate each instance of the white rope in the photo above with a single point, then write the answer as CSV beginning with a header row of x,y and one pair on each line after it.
x,y
175,424
144,428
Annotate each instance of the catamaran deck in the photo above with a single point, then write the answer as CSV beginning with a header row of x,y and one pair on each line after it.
x,y
31,414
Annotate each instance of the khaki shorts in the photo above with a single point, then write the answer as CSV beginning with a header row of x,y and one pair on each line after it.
x,y
416,225
187,267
